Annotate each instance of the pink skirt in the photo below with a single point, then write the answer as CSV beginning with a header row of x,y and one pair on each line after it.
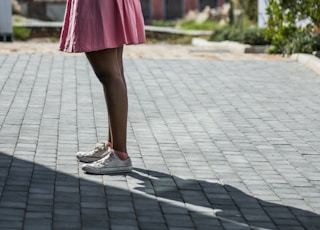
x,y
92,25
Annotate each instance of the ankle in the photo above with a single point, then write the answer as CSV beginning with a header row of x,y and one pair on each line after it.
x,y
122,155
108,144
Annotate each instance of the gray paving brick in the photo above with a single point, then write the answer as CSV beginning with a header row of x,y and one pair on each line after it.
x,y
174,208
215,144
9,224
11,214
88,223
67,218
146,226
124,226
35,223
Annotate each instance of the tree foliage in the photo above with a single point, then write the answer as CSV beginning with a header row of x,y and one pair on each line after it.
x,y
250,8
248,11
283,24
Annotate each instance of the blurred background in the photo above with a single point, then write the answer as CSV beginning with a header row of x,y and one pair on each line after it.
x,y
283,27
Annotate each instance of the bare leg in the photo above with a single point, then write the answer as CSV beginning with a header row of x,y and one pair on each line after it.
x,y
108,68
120,62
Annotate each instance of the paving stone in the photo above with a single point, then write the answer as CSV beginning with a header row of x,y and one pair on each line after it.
x,y
215,144
9,224
37,223
90,223
177,220
11,214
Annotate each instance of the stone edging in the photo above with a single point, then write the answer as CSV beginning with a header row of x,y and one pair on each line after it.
x,y
235,47
308,60
230,45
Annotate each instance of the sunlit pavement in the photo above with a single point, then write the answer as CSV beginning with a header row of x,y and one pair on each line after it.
x,y
218,141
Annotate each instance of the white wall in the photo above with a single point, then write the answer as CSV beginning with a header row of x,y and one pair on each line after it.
x,y
5,17
262,15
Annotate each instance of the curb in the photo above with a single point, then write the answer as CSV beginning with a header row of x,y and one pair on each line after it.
x,y
230,45
308,60
235,47
169,30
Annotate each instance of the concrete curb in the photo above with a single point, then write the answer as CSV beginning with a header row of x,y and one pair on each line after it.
x,y
170,30
230,45
235,47
308,60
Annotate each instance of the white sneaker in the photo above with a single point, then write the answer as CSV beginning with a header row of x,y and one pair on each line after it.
x,y
101,150
108,165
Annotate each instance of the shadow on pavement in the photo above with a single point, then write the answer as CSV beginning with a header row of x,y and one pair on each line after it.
x,y
35,197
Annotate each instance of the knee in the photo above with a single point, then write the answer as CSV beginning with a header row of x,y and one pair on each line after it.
x,y
107,76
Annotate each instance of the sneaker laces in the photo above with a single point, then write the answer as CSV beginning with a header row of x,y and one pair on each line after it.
x,y
99,147
108,158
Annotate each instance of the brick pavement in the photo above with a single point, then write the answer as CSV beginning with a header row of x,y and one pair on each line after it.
x,y
216,144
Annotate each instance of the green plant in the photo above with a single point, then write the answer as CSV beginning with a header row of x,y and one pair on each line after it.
x,y
220,34
21,33
235,34
250,9
250,35
192,25
164,23
282,29
243,11
304,43
280,26
255,36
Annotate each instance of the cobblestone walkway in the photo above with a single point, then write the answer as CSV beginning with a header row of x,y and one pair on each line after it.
x,y
216,144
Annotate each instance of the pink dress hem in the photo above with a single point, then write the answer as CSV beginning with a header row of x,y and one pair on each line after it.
x,y
92,25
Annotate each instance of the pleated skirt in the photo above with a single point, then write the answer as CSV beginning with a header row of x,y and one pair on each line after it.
x,y
92,25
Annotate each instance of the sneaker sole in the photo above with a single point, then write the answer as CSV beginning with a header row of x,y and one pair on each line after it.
x,y
108,170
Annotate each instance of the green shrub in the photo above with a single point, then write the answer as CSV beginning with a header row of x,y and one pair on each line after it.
x,y
250,9
251,35
255,36
285,35
236,34
21,33
303,43
220,34
192,25
164,23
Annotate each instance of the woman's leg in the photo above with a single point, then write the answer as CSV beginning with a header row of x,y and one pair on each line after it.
x,y
120,61
107,65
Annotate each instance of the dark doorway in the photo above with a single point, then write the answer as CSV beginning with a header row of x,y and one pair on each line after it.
x,y
174,9
211,3
146,9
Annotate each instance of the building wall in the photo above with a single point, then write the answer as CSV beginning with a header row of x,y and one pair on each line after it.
x,y
53,10
157,9
190,5
173,9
